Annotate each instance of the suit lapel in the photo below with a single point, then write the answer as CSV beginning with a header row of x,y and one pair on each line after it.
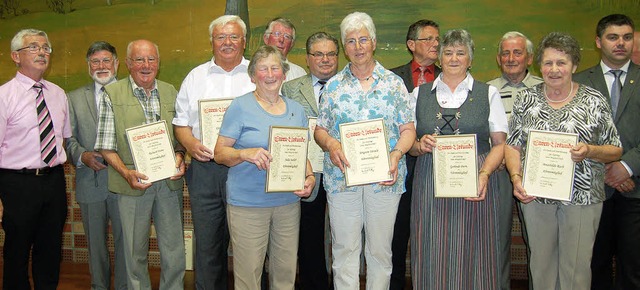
x,y
91,102
629,88
306,88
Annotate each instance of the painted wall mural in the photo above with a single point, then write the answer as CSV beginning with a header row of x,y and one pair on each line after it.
x,y
180,27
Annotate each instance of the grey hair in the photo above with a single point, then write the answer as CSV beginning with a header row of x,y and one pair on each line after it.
x,y
263,52
284,21
130,47
516,34
100,46
356,21
224,20
318,36
561,42
18,40
456,37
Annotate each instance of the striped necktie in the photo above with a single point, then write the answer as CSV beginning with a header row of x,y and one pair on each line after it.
x,y
321,91
48,151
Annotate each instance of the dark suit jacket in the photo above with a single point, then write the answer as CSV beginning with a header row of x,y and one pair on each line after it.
x,y
301,91
83,114
627,118
404,72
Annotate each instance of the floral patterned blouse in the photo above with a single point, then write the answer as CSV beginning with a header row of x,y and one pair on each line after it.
x,y
588,115
344,101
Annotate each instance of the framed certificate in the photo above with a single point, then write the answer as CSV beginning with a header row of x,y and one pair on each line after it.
x,y
210,113
288,147
455,166
548,168
365,146
316,155
152,151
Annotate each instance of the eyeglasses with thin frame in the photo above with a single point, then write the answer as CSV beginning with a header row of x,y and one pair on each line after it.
x,y
429,39
321,55
362,41
34,48
232,37
95,62
279,34
141,60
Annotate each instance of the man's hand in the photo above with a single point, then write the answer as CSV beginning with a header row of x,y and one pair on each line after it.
x,y
133,178
615,174
179,165
92,160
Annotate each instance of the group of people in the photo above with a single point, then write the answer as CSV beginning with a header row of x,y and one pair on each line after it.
x,y
456,243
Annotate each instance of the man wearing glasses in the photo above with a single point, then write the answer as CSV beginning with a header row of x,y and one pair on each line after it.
x,y
281,34
136,100
98,206
224,76
34,120
422,42
322,59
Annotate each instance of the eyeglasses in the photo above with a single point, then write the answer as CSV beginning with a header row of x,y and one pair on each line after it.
x,y
279,34
320,55
362,41
95,62
429,39
222,37
34,48
142,60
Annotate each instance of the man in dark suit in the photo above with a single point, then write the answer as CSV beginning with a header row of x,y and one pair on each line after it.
x,y
322,59
619,230
97,205
423,39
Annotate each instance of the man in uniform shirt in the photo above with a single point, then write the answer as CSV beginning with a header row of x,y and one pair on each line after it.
x,y
515,54
34,120
224,76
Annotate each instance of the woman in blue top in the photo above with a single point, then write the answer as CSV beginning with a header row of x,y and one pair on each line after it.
x,y
258,219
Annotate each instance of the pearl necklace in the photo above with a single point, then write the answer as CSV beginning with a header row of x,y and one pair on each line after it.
x,y
265,99
558,101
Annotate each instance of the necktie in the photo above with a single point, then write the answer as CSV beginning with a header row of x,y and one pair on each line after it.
x,y
322,83
421,78
616,87
48,151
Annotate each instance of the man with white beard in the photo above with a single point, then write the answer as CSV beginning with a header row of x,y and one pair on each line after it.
x,y
97,204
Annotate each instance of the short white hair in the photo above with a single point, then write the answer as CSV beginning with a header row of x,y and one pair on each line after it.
x,y
18,40
356,21
224,20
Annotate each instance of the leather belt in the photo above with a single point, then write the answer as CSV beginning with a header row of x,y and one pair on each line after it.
x,y
26,171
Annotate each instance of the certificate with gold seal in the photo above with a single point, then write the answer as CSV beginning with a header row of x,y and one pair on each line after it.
x,y
365,146
455,166
548,168
152,151
210,113
288,168
316,155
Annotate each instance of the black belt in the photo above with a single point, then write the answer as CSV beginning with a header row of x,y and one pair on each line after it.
x,y
36,172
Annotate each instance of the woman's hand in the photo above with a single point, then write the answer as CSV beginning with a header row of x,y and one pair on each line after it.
x,y
258,156
337,156
483,180
518,190
426,143
394,159
309,183
579,152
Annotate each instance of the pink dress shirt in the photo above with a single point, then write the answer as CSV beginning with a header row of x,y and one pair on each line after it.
x,y
19,133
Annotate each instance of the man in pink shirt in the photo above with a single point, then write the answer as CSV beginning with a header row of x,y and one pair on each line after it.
x,y
34,121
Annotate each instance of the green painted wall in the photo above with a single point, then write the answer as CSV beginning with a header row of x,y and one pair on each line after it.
x,y
180,28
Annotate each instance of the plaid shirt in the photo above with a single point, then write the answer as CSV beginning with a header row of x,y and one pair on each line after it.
x,y
106,137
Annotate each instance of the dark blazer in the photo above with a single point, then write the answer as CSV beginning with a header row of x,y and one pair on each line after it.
x,y
627,117
83,115
404,72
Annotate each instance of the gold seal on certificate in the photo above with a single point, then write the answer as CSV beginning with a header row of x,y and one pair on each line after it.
x,y
455,166
365,146
316,155
288,147
548,168
210,113
152,151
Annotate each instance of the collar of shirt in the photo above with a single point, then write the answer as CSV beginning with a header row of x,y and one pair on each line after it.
x,y
242,67
378,72
415,67
28,83
606,69
449,99
97,86
135,88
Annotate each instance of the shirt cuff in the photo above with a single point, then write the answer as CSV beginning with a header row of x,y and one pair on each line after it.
x,y
627,167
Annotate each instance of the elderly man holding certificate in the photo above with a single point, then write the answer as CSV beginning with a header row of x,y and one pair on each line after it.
x,y
363,91
562,229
